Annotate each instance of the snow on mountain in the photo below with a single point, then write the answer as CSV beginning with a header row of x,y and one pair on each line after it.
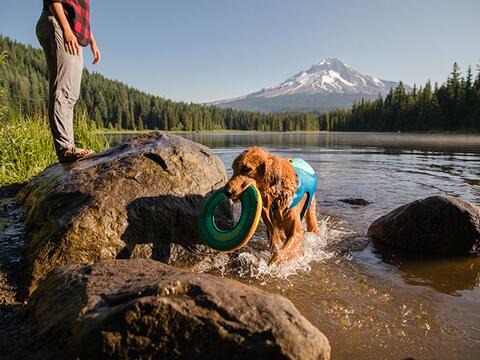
x,y
330,76
328,84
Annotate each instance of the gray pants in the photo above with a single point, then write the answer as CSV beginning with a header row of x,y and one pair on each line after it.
x,y
64,76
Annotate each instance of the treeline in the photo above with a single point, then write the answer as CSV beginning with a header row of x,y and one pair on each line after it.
x,y
452,106
112,104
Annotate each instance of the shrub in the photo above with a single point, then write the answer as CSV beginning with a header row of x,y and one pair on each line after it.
x,y
26,145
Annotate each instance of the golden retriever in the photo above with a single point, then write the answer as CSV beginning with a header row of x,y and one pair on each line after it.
x,y
276,180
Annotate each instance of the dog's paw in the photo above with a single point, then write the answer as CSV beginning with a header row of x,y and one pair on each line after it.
x,y
284,256
274,260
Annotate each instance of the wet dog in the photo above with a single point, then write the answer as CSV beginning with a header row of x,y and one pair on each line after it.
x,y
277,181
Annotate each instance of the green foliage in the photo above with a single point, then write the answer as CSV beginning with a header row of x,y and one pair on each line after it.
x,y
26,146
453,106
3,57
86,135
114,105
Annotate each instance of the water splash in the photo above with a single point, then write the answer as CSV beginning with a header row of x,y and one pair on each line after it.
x,y
218,263
252,261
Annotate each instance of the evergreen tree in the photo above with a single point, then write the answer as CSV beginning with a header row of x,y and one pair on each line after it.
x,y
454,82
452,106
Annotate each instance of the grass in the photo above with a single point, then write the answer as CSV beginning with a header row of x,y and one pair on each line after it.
x,y
26,145
3,58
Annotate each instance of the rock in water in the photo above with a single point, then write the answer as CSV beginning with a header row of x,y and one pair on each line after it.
x,y
441,225
139,308
355,201
136,198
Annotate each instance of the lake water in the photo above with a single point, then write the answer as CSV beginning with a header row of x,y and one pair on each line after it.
x,y
369,302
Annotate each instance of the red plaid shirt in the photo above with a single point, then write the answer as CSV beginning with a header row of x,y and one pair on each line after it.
x,y
78,15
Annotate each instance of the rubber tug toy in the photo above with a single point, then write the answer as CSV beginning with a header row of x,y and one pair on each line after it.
x,y
237,237
251,201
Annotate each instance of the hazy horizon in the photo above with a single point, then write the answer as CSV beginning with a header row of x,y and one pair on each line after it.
x,y
210,50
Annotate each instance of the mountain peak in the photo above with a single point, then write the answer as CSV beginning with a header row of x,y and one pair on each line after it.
x,y
331,60
328,63
330,78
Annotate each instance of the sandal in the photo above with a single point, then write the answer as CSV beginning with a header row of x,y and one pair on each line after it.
x,y
74,154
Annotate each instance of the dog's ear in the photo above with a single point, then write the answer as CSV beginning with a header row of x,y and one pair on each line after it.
x,y
271,170
237,161
262,168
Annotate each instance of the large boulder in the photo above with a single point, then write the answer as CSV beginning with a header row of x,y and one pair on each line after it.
x,y
138,199
138,308
441,225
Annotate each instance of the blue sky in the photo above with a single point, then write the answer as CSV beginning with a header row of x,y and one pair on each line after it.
x,y
202,50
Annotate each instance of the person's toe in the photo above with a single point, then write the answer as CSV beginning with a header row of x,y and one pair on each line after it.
x,y
85,152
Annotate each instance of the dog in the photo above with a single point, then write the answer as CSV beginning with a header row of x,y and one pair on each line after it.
x,y
277,181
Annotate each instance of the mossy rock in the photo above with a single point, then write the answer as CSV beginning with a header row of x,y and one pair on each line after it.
x,y
138,199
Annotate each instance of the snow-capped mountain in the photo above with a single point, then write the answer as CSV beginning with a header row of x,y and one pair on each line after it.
x,y
330,76
326,85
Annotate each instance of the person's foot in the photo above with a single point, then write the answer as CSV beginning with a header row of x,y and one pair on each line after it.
x,y
73,154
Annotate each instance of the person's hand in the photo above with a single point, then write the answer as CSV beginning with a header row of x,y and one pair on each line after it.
x,y
71,44
96,53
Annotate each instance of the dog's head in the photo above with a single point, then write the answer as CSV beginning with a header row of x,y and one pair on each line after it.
x,y
252,166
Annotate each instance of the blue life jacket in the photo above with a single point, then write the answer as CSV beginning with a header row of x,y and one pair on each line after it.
x,y
307,183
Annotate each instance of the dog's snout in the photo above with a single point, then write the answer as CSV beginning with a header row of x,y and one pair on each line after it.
x,y
228,193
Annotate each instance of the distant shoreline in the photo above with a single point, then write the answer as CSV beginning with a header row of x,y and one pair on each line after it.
x,y
138,132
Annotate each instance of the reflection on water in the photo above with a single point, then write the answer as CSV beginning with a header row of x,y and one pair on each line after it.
x,y
371,302
390,142
446,275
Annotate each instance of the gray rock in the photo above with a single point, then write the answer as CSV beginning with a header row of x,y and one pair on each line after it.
x,y
138,199
141,308
355,201
441,225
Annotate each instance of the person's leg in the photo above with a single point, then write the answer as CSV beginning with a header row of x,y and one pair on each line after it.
x,y
65,74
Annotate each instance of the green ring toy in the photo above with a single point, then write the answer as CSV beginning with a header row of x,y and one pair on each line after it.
x,y
238,237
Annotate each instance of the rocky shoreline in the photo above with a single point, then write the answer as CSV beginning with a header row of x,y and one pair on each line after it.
x,y
86,251
141,308
137,201
13,312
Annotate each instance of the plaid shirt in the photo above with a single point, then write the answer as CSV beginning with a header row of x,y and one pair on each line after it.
x,y
78,15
